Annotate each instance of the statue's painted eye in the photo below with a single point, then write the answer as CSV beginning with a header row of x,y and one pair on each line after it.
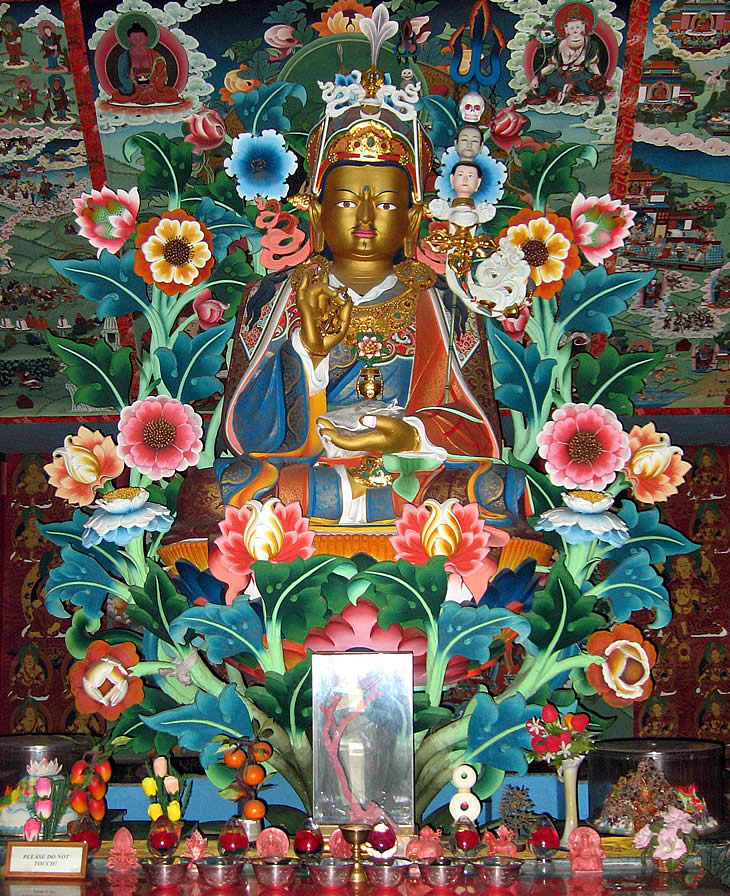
x,y
346,203
386,206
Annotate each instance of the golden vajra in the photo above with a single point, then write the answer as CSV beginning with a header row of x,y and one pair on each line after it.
x,y
461,247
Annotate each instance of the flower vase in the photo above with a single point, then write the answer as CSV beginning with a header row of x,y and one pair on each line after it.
x,y
668,866
568,774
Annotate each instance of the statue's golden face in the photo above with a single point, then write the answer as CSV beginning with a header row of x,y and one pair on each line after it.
x,y
364,212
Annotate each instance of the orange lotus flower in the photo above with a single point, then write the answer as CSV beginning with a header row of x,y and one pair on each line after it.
x,y
102,683
547,243
625,674
655,467
86,461
342,16
174,251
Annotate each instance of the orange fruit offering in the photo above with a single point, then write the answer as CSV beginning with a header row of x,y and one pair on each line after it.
x,y
254,809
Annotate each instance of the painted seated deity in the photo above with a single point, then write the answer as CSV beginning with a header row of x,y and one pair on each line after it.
x,y
347,389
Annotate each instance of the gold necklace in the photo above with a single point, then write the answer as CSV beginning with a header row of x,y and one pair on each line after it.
x,y
395,314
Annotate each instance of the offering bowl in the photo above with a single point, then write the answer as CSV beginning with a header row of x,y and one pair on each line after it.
x,y
276,874
331,873
386,873
164,874
498,871
441,873
217,871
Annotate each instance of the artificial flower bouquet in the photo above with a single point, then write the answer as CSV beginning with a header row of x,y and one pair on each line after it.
x,y
555,738
168,792
669,839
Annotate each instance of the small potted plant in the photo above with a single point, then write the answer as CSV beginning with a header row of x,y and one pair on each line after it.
x,y
667,840
168,792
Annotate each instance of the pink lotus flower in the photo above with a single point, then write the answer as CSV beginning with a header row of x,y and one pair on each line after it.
x,y
655,467
505,127
453,530
515,327
600,225
86,461
160,436
356,627
209,310
281,37
32,829
159,766
107,218
272,531
207,130
583,446
43,787
43,808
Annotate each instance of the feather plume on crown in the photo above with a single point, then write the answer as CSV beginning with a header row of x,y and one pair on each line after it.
x,y
368,119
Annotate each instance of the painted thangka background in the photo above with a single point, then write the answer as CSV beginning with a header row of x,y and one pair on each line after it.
x,y
657,110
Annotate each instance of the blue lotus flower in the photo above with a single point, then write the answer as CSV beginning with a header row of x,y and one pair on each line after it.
x,y
585,518
124,514
260,165
494,174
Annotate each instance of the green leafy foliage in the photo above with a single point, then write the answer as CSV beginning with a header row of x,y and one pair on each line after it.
x,y
229,280
648,534
405,593
167,164
131,729
189,369
226,631
445,120
635,585
497,735
292,592
195,725
79,580
287,698
589,301
226,226
611,379
263,107
157,604
102,377
524,379
561,615
108,280
549,171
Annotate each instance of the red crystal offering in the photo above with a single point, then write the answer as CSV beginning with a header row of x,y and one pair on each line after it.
x,y
232,840
83,830
162,839
308,841
382,838
464,841
544,839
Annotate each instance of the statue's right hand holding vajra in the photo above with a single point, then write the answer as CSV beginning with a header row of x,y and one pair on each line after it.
x,y
325,313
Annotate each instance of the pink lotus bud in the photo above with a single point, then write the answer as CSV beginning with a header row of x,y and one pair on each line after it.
x,y
32,829
44,808
209,310
159,766
43,787
171,784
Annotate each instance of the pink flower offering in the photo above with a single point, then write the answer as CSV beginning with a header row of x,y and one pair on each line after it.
x,y
583,446
107,218
160,436
600,225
